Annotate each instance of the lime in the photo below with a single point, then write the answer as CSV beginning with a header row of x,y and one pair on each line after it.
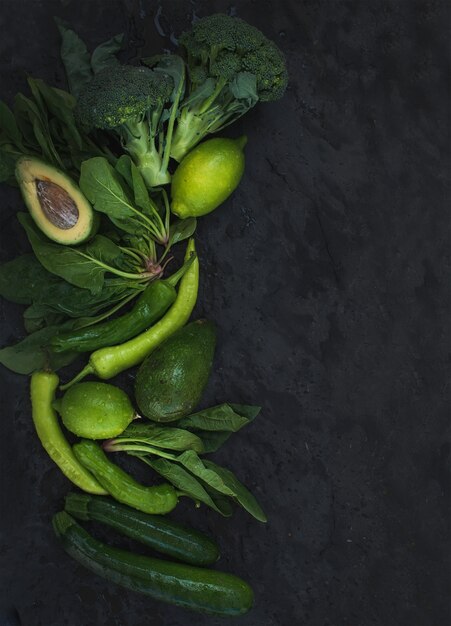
x,y
207,176
96,410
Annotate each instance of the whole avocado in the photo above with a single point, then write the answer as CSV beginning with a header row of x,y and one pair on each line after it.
x,y
170,382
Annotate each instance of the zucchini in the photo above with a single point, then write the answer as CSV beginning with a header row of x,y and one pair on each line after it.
x,y
196,588
156,532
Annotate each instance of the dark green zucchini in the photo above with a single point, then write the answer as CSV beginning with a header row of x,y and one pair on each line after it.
x,y
195,588
156,532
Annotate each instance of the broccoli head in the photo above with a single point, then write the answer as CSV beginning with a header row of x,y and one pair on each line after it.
x,y
129,101
231,66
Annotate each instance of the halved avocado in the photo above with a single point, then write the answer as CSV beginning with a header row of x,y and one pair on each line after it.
x,y
55,202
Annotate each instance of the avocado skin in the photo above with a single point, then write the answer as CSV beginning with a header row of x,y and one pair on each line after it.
x,y
170,382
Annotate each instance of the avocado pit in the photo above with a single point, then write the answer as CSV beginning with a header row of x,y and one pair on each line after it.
x,y
56,204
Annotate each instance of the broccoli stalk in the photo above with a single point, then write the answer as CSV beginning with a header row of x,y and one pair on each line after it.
x,y
231,66
130,102
139,141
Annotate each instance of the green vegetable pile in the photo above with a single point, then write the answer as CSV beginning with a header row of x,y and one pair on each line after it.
x,y
113,174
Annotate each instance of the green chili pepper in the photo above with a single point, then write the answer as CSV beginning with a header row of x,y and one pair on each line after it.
x,y
150,306
43,387
108,362
156,500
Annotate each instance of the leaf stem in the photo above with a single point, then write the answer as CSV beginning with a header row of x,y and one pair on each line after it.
x,y
130,447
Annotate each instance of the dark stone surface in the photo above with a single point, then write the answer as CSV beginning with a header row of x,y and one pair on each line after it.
x,y
328,276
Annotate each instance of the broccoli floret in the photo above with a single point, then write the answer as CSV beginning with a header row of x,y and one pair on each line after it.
x,y
231,66
268,66
130,101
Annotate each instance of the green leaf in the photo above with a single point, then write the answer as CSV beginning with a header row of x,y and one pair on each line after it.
x,y
222,503
23,114
8,159
249,411
105,54
33,353
197,97
63,298
9,127
23,278
140,191
244,87
165,437
32,119
37,316
182,229
61,105
124,168
215,424
212,441
239,491
195,465
84,266
76,58
105,189
221,417
183,480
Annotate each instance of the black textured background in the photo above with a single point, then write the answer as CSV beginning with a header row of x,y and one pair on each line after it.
x,y
327,274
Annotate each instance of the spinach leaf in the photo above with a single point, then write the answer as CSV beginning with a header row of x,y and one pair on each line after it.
x,y
105,54
239,491
37,316
24,114
165,437
195,465
222,503
183,480
249,411
38,115
75,302
9,127
212,441
215,424
124,168
8,158
217,418
25,281
84,266
182,229
23,278
75,57
140,191
61,105
33,353
106,191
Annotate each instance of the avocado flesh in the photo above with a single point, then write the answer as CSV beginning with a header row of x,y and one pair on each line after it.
x,y
55,202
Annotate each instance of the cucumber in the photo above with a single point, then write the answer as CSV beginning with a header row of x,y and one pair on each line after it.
x,y
156,532
196,588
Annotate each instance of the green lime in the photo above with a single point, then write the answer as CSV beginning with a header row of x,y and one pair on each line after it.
x,y
207,176
95,410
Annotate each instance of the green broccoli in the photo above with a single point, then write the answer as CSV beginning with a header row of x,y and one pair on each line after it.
x,y
131,101
231,66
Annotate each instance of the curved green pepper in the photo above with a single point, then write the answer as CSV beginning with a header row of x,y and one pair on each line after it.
x,y
108,362
156,500
43,387
151,305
